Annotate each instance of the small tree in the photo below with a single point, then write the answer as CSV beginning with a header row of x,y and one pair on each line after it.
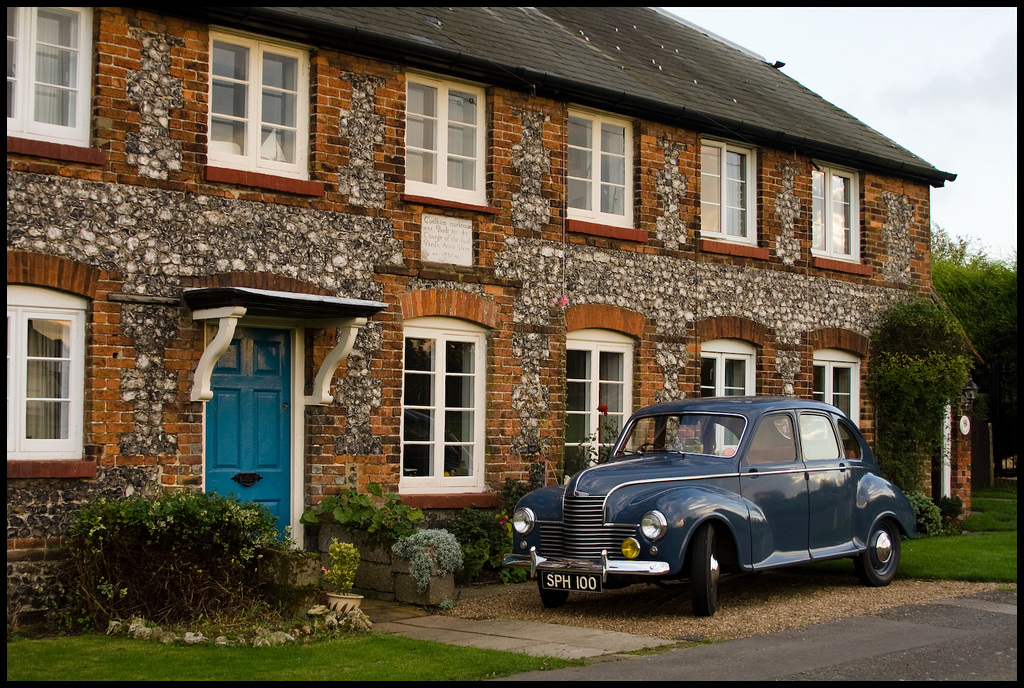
x,y
919,367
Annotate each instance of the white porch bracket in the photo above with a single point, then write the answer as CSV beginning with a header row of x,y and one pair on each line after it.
x,y
348,328
227,317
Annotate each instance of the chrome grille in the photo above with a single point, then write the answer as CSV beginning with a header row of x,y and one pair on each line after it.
x,y
583,532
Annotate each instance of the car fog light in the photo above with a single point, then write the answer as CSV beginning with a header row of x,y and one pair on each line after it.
x,y
523,520
522,544
654,550
630,548
653,525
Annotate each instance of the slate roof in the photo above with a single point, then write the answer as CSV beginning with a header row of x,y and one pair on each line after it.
x,y
635,61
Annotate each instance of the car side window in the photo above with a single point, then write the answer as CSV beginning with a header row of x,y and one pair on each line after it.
x,y
818,438
773,442
851,447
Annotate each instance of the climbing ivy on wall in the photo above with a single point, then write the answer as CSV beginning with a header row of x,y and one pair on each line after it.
x,y
919,366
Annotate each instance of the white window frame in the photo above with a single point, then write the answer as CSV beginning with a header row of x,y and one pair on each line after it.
x,y
252,160
721,352
746,232
596,342
596,177
829,360
440,187
442,331
21,44
823,210
23,303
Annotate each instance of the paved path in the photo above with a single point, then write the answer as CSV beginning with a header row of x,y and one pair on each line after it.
x,y
970,638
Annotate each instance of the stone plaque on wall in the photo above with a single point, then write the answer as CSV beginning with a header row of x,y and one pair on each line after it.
x,y
446,240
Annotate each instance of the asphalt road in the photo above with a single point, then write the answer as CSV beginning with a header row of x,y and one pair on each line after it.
x,y
964,639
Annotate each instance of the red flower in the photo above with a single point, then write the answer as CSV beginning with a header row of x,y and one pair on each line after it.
x,y
603,409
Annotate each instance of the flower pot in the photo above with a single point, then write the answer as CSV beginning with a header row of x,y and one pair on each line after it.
x,y
343,602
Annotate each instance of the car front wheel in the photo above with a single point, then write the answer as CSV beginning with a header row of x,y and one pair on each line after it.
x,y
877,566
552,599
704,572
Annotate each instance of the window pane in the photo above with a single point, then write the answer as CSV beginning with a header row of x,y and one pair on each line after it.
x,y
613,139
577,428
230,61
461,140
57,27
229,99
580,132
458,391
459,357
416,460
47,420
819,383
577,364
419,354
418,426
228,136
279,108
458,426
578,394
419,389
774,441
423,100
610,396
461,107
818,210
277,144
462,174
48,338
419,166
612,366
280,72
735,377
458,460
708,374
579,163
817,438
613,200
48,380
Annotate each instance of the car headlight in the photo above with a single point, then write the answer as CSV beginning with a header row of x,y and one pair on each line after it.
x,y
523,520
653,525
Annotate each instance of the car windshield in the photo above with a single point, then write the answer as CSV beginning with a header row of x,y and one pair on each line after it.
x,y
691,433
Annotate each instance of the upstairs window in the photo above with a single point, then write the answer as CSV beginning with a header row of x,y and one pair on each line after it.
x,y
444,140
834,223
259,106
599,170
45,379
727,193
49,66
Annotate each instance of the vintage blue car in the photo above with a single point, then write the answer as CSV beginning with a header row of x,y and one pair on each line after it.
x,y
701,487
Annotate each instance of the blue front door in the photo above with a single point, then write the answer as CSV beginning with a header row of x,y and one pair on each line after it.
x,y
248,421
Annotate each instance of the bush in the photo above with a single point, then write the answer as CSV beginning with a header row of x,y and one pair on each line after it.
x,y
385,519
950,510
929,518
174,558
434,551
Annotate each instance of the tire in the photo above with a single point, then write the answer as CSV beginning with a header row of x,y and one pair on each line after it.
x,y
552,599
704,572
876,566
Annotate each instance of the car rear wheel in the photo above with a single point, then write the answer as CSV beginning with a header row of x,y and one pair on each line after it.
x,y
704,572
877,566
552,599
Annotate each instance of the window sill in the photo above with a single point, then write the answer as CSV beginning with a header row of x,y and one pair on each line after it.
x,y
452,501
56,151
457,205
259,180
50,468
729,249
841,266
608,231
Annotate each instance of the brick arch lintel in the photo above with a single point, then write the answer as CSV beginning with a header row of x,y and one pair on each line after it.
x,y
839,338
604,317
450,303
54,272
731,327
256,280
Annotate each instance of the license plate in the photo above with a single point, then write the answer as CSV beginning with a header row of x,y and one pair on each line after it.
x,y
579,582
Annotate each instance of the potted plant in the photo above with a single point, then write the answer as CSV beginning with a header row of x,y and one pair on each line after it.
x,y
341,575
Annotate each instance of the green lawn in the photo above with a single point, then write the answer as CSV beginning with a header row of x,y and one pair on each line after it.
x,y
357,658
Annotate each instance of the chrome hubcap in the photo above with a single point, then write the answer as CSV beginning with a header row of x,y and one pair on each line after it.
x,y
883,548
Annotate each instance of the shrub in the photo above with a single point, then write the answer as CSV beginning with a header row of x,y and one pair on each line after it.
x,y
344,564
383,517
173,558
929,519
950,510
429,551
919,367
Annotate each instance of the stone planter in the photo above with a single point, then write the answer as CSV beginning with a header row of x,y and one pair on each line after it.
x,y
383,575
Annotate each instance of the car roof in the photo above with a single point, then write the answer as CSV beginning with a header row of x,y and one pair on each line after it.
x,y
747,406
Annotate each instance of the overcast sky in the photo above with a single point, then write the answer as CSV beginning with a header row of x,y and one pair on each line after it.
x,y
942,83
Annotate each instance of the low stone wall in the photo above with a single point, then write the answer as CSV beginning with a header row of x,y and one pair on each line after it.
x,y
383,575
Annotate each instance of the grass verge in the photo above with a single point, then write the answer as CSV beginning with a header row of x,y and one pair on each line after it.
x,y
370,657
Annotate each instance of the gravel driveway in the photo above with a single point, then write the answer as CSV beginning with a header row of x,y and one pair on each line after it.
x,y
748,605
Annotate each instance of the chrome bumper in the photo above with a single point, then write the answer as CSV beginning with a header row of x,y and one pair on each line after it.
x,y
535,563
